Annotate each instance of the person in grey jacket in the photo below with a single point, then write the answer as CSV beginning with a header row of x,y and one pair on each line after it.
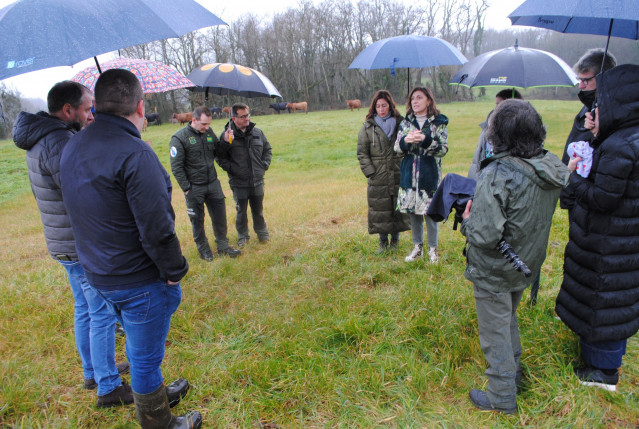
x,y
193,164
44,136
519,176
484,147
245,154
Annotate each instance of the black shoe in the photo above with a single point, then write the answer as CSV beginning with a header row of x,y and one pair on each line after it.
x,y
122,395
123,368
230,252
176,391
264,240
480,400
208,256
242,242
590,376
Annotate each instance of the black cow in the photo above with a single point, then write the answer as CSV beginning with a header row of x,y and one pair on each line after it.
x,y
153,118
216,111
279,106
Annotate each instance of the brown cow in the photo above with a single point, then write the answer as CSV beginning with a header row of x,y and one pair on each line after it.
x,y
226,110
183,118
302,105
146,124
353,104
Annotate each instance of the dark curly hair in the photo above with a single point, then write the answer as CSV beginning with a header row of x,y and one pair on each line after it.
x,y
516,127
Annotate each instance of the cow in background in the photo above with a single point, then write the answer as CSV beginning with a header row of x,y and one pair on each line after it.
x,y
183,118
353,104
153,118
302,105
280,106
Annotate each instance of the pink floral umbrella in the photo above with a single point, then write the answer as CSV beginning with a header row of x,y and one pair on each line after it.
x,y
154,76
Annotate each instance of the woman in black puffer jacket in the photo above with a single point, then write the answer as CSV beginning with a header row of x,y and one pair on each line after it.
x,y
599,296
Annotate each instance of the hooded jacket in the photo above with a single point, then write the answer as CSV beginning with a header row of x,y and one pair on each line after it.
x,y
599,296
247,158
514,200
44,137
380,165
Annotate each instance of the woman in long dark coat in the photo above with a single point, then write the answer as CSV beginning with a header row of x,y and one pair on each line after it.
x,y
599,296
380,165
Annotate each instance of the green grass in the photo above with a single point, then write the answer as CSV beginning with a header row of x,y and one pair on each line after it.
x,y
314,329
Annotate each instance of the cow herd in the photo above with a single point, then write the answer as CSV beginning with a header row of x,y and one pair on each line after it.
x,y
185,118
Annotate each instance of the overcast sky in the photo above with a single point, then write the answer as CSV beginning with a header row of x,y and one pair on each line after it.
x,y
38,83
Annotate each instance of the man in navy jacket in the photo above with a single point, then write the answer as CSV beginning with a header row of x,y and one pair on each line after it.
x,y
118,197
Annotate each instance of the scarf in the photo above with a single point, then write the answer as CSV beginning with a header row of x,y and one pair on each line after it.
x,y
387,124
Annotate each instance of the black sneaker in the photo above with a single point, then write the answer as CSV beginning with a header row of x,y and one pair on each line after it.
x,y
208,257
480,400
121,395
123,368
590,376
230,252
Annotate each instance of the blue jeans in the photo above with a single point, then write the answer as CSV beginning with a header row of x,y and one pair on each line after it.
x,y
604,354
145,313
94,331
417,227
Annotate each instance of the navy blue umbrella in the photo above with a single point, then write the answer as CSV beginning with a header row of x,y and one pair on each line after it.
x,y
619,18
515,67
38,34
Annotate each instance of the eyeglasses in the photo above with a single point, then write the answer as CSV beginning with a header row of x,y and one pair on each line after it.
x,y
585,80
248,115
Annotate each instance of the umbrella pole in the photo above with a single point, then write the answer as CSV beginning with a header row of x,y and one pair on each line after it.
x,y
97,64
603,60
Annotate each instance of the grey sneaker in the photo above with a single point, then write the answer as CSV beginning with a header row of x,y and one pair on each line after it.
x,y
432,255
415,254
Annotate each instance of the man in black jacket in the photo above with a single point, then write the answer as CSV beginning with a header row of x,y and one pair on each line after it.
x,y
245,154
118,196
193,165
44,136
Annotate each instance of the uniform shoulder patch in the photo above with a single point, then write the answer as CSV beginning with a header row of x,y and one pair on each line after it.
x,y
173,152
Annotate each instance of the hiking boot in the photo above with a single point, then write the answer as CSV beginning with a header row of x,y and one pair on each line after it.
x,y
590,376
208,256
121,395
230,252
123,368
432,255
176,391
242,242
480,400
415,254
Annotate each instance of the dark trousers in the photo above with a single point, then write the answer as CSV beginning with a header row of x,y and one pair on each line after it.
x,y
245,197
217,211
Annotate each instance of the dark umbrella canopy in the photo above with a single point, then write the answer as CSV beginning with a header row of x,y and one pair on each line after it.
x,y
409,51
515,67
153,76
232,79
617,18
38,34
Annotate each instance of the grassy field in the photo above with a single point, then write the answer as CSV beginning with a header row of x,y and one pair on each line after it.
x,y
313,329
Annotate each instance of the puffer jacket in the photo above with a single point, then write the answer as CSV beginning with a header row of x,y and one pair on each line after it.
x,y
44,137
599,296
380,165
193,157
514,200
247,158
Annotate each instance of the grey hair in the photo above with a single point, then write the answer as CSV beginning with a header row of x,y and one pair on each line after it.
x,y
591,62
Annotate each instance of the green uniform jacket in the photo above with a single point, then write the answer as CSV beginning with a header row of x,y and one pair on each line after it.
x,y
193,157
515,200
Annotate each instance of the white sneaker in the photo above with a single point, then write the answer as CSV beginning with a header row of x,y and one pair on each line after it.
x,y
432,254
415,254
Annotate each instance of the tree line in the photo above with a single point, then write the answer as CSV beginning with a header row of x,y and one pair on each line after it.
x,y
306,50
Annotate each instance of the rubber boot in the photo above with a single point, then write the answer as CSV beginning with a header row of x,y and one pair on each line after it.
x,y
153,412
